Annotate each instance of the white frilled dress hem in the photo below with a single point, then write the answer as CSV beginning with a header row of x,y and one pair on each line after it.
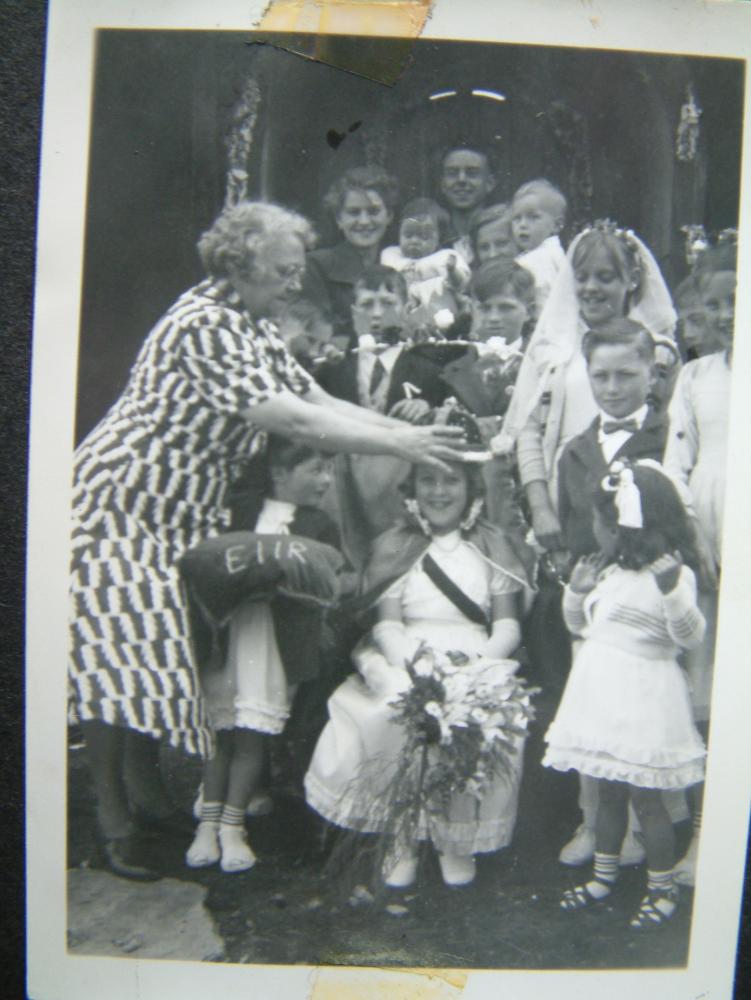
x,y
357,756
626,718
250,691
356,759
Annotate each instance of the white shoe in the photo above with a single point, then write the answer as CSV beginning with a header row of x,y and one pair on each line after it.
x,y
236,853
400,869
684,872
632,850
261,804
580,849
457,869
204,851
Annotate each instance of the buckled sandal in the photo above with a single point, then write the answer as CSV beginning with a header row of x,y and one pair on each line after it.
x,y
580,898
655,910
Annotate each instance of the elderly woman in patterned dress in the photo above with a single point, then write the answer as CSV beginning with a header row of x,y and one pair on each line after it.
x,y
151,480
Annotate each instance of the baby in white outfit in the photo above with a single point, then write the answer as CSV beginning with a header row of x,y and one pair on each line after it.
x,y
431,273
538,212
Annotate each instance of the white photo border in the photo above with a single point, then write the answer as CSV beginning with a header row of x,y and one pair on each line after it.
x,y
679,27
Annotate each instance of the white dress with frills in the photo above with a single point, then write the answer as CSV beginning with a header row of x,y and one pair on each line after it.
x,y
625,714
251,691
360,746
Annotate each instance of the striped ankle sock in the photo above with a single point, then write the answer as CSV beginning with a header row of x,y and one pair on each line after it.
x,y
660,882
211,812
232,816
606,867
604,875
697,823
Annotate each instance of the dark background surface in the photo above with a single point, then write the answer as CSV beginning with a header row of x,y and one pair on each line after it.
x,y
163,104
22,23
22,26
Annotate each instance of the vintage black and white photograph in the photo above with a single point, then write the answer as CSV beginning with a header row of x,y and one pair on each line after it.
x,y
396,516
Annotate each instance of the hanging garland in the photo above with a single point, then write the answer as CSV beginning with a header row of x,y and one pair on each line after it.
x,y
570,132
687,135
239,142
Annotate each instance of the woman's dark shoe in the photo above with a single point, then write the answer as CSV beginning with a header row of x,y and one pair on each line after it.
x,y
123,859
174,824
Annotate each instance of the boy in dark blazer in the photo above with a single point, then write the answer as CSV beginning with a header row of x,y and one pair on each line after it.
x,y
620,365
621,368
400,374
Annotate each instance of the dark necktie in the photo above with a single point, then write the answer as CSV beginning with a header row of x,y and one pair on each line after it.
x,y
376,376
611,426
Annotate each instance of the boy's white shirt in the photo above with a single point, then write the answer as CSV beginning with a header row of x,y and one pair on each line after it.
x,y
275,517
366,361
611,444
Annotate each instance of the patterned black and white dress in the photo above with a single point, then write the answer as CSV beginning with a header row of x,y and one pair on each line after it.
x,y
150,482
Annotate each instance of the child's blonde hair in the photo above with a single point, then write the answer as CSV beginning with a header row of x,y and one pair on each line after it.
x,y
548,193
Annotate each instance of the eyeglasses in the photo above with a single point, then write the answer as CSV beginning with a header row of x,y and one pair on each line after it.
x,y
289,272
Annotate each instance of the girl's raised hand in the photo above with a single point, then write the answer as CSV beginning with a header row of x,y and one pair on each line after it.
x,y
666,571
585,573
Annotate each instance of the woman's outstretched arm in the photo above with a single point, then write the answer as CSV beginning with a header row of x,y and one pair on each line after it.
x,y
327,428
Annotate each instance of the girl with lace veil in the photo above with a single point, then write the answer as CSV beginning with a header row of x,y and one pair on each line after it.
x,y
608,272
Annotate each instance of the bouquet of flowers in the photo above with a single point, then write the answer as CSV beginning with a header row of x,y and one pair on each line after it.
x,y
462,726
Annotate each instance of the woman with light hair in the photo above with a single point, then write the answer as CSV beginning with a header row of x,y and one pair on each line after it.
x,y
152,480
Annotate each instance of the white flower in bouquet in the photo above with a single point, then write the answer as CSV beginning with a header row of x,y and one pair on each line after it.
x,y
366,342
424,667
502,444
444,720
444,320
457,686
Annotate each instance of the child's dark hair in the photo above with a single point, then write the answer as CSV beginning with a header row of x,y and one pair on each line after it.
x,y
426,208
283,453
666,526
499,277
616,332
307,313
378,276
473,475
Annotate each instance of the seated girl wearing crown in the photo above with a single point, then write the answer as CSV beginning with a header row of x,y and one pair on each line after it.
x,y
447,581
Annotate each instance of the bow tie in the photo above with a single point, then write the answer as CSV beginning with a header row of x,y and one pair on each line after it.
x,y
611,426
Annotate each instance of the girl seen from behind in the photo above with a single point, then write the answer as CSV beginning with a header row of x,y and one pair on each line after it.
x,y
625,718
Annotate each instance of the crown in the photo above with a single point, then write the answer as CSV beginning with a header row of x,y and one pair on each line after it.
x,y
453,414
627,236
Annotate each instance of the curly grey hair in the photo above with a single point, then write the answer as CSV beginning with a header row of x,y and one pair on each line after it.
x,y
238,234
